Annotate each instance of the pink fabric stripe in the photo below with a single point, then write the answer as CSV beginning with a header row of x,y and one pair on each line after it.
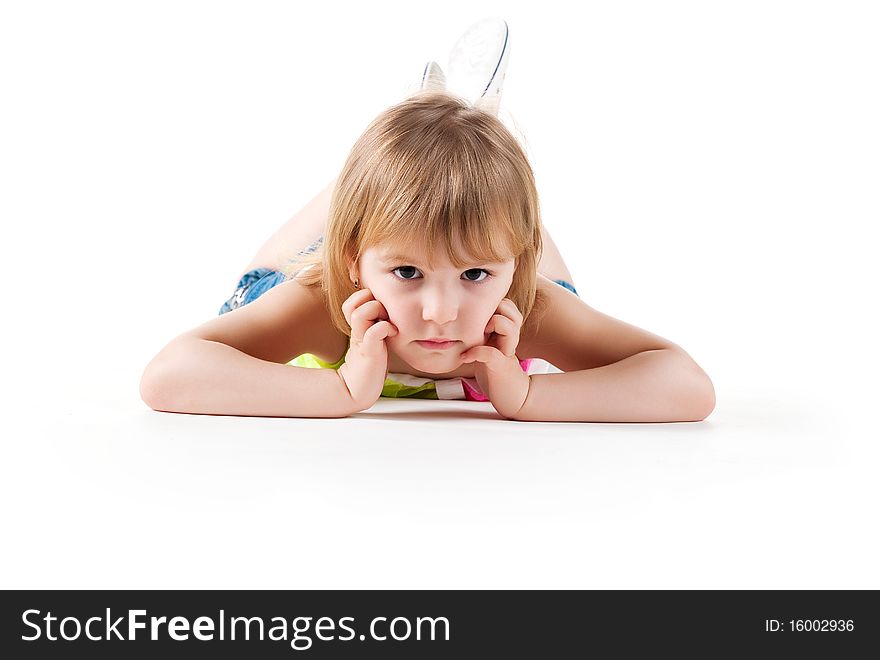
x,y
472,390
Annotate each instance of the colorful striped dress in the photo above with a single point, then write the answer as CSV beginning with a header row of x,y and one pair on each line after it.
x,y
405,385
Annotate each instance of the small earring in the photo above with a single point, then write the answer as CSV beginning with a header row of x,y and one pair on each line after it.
x,y
357,284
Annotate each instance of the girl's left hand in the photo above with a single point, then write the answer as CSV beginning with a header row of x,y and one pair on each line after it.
x,y
496,366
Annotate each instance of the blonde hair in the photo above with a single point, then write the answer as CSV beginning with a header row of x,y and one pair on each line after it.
x,y
431,170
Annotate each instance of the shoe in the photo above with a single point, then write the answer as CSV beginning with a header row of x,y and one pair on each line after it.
x,y
433,77
478,64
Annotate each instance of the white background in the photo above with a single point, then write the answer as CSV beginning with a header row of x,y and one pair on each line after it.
x,y
709,171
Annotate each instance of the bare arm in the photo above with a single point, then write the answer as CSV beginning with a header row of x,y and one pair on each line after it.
x,y
194,375
663,385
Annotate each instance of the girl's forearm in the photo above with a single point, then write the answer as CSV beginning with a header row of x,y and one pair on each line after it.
x,y
655,386
193,375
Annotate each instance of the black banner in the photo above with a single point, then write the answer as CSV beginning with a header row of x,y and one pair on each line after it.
x,y
435,624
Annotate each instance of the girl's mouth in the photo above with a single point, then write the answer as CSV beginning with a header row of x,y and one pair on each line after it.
x,y
436,345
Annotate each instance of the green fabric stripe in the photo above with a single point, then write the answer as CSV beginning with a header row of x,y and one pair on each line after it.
x,y
391,388
314,362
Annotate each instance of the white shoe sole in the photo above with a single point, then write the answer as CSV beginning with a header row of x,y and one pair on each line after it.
x,y
478,63
433,77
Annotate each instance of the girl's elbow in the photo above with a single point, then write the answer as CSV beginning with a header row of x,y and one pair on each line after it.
x,y
697,394
150,392
154,389
705,397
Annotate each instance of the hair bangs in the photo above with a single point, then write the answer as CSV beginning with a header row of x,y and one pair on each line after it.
x,y
455,199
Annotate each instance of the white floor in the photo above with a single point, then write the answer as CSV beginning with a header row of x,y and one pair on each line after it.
x,y
103,492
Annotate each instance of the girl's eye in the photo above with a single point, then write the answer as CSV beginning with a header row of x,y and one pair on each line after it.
x,y
403,268
477,272
407,271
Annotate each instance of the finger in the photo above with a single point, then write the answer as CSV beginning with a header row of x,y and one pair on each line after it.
x,y
372,310
506,334
355,299
376,333
483,354
508,344
503,325
365,316
509,308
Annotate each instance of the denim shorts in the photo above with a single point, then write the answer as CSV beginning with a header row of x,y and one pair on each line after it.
x,y
251,286
256,282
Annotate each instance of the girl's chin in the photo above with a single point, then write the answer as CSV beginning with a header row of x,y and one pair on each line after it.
x,y
437,361
436,369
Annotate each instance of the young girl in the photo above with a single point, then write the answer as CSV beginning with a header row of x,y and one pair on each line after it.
x,y
423,271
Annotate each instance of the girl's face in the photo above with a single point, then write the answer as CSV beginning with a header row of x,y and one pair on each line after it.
x,y
448,302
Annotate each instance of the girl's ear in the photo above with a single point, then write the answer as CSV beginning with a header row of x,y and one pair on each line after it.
x,y
352,270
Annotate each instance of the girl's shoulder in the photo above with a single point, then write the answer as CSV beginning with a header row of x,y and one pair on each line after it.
x,y
538,325
573,336
286,321
330,344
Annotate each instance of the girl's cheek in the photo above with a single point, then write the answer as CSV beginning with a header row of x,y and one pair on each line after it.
x,y
397,320
387,303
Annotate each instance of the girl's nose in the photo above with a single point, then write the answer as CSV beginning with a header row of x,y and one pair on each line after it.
x,y
439,308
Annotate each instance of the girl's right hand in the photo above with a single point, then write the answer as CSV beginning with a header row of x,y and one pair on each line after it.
x,y
366,362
